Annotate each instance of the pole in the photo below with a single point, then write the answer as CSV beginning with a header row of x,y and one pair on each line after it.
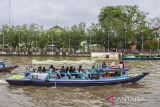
x,y
36,41
158,44
125,40
19,38
69,43
142,43
90,43
108,41
52,42
3,42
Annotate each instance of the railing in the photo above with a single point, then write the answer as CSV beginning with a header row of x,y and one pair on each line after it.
x,y
48,52
38,52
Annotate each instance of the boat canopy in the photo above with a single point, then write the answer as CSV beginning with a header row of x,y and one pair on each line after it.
x,y
63,62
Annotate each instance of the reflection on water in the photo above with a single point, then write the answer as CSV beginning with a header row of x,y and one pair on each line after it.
x,y
33,96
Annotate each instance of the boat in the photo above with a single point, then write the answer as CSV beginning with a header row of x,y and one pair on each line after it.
x,y
141,57
4,68
86,77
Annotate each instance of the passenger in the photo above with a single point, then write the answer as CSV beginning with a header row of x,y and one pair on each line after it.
x,y
75,73
106,74
31,68
50,74
44,70
121,65
68,73
93,69
27,73
74,69
67,69
71,70
104,65
39,69
113,65
62,71
80,69
52,68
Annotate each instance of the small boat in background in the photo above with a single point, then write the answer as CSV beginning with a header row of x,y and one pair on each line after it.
x,y
140,57
4,68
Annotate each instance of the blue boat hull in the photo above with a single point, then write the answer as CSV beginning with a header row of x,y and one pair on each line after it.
x,y
7,69
104,82
19,82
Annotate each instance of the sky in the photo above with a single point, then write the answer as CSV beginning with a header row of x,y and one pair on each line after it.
x,y
65,12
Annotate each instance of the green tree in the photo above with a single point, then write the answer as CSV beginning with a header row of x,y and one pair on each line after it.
x,y
120,22
76,34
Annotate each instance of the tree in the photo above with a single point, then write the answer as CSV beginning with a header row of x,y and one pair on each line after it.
x,y
122,22
151,44
56,35
76,34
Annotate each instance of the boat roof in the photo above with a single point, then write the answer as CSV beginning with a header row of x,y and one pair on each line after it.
x,y
63,62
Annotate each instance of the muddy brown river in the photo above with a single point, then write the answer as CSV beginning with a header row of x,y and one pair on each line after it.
x,y
146,93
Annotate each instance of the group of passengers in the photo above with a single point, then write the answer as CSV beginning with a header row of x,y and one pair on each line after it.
x,y
113,65
72,71
63,71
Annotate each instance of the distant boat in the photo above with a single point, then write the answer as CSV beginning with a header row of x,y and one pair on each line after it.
x,y
4,68
141,57
86,77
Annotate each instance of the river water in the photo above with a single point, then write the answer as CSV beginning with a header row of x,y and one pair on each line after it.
x,y
147,89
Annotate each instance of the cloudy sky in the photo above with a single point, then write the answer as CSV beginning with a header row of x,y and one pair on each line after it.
x,y
65,12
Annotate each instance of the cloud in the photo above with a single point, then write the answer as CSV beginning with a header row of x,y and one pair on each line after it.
x,y
65,12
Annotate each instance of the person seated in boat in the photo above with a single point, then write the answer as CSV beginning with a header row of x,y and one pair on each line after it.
x,y
80,68
75,73
68,73
50,74
80,71
121,65
67,69
72,71
113,65
93,69
44,70
62,71
52,68
27,73
39,69
30,67
104,65
106,74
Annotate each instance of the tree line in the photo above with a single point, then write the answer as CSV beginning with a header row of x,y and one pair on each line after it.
x,y
118,27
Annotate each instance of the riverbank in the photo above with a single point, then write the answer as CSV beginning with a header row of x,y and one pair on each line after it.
x,y
65,54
